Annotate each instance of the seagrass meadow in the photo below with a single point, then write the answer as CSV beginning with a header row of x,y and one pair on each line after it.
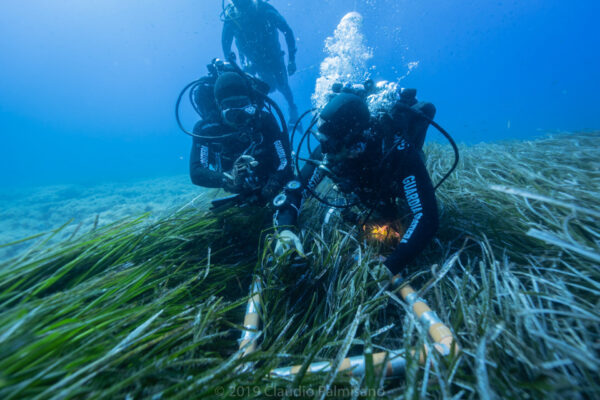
x,y
146,308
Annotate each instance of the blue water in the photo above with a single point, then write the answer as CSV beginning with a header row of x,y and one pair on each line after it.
x,y
87,88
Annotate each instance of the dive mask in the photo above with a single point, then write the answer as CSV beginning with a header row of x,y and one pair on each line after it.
x,y
237,111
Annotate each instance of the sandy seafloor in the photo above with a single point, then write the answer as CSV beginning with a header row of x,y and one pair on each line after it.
x,y
28,211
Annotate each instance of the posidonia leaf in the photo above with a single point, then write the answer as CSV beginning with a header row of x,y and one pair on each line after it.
x,y
80,319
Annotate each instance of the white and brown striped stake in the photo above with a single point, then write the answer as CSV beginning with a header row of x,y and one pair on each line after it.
x,y
248,340
444,343
443,340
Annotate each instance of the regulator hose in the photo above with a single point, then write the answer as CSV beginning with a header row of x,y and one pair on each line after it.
x,y
192,86
454,147
446,135
304,114
180,124
262,96
268,100
299,148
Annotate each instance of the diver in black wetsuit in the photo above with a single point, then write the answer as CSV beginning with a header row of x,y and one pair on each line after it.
x,y
379,161
249,154
255,24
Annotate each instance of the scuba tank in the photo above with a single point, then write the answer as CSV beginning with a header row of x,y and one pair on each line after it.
x,y
406,113
407,116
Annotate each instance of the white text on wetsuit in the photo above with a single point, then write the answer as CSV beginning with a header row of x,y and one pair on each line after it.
x,y
282,157
412,197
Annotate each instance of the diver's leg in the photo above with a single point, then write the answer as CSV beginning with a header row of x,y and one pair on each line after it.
x,y
283,86
267,77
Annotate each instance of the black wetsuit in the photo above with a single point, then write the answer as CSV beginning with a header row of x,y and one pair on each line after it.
x,y
389,169
257,38
209,160
256,34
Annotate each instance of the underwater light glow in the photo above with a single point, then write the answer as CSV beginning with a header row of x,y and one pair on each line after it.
x,y
381,233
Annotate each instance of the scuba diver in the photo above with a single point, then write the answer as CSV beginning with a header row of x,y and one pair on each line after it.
x,y
238,146
255,24
377,162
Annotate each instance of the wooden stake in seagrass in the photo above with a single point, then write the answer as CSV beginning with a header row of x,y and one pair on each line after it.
x,y
444,343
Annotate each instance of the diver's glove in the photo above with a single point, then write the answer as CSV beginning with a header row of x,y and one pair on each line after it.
x,y
379,271
242,178
227,184
231,57
287,256
286,241
291,67
384,275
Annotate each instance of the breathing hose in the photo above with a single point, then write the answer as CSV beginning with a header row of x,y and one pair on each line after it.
x,y
304,114
446,135
194,84
454,147
262,96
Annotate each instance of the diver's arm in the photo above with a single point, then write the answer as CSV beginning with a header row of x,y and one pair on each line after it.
x,y
418,192
227,38
200,172
284,27
310,175
280,154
